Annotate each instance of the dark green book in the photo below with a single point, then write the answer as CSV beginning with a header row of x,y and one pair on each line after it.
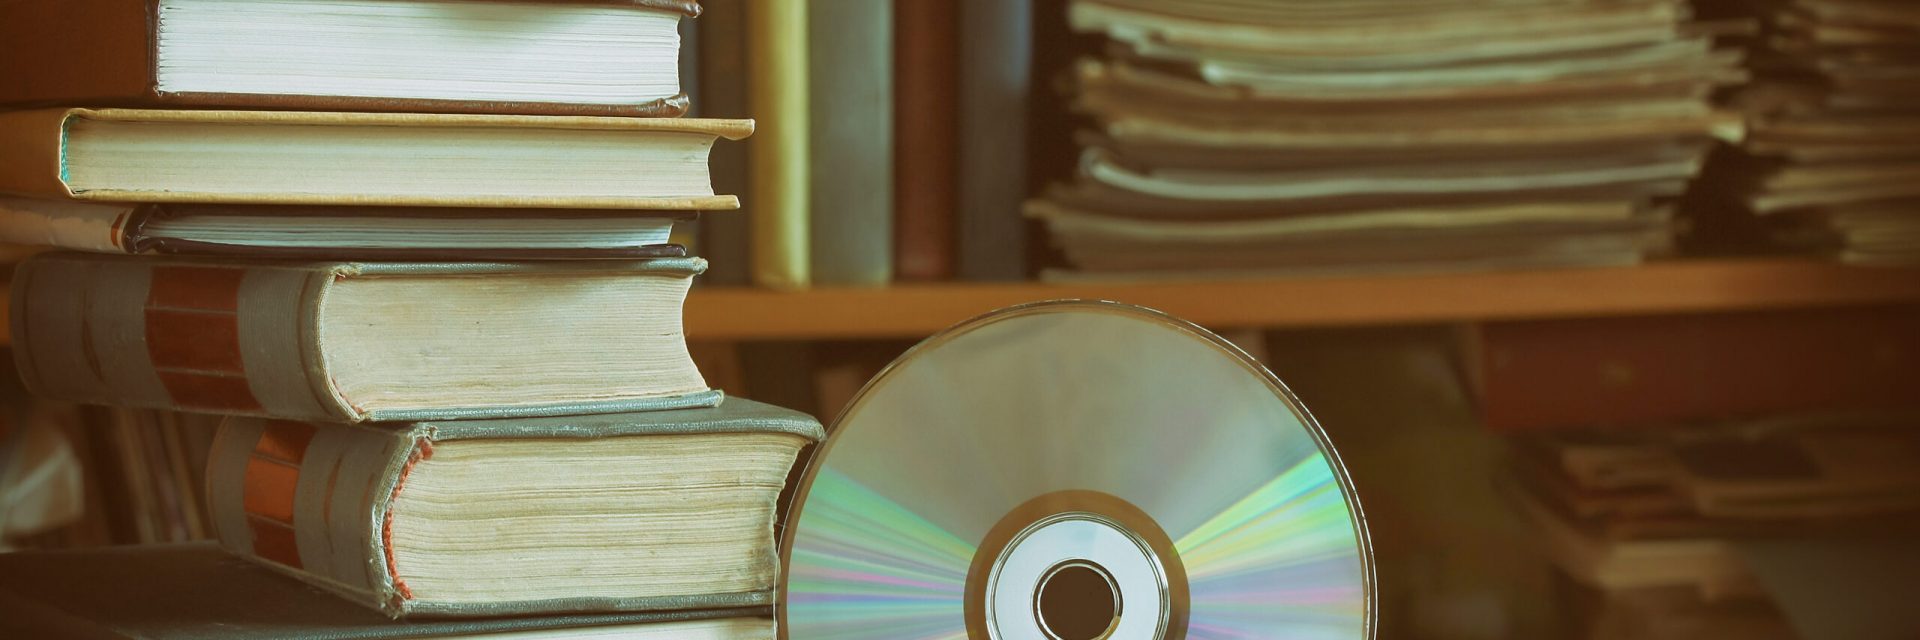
x,y
850,120
197,591
996,54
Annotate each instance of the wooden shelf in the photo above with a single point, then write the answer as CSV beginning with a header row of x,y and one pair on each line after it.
x,y
1680,286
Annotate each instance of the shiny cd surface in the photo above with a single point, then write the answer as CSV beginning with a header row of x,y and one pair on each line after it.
x,y
1075,471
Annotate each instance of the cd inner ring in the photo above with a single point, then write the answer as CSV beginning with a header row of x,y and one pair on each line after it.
x,y
1078,600
1076,565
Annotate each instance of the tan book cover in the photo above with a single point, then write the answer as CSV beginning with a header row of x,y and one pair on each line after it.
x,y
361,159
778,171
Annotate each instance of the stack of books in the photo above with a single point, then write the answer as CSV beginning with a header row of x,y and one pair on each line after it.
x,y
1307,137
1661,527
1696,476
1834,153
418,252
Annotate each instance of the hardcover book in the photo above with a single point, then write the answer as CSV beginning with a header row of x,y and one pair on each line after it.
x,y
198,592
362,159
357,233
850,114
347,342
640,511
577,57
777,170
926,137
1571,373
996,59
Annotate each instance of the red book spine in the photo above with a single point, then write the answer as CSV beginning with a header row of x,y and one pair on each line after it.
x,y
926,128
1648,371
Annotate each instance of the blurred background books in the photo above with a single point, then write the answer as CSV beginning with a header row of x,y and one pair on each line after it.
x,y
1377,137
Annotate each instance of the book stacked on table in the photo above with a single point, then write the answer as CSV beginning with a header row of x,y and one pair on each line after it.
x,y
1306,137
1832,162
418,252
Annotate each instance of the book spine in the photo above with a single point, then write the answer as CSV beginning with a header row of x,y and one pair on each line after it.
x,y
99,228
206,338
777,93
32,145
925,145
1623,371
723,94
311,500
996,51
850,114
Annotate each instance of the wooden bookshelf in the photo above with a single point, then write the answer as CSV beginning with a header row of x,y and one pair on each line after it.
x,y
1681,286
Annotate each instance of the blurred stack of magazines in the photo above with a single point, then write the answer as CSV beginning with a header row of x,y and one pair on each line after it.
x,y
1832,164
1695,531
1303,137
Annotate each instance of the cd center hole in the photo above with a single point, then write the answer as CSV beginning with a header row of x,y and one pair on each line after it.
x,y
1077,601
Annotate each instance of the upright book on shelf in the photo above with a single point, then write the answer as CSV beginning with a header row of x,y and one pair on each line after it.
x,y
996,55
850,117
926,137
777,169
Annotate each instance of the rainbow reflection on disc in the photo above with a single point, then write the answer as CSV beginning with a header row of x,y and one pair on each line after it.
x,y
1075,470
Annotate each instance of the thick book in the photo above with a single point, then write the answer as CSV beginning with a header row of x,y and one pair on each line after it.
x,y
347,342
578,57
1554,374
777,170
351,233
850,219
652,510
926,140
362,159
996,55
198,592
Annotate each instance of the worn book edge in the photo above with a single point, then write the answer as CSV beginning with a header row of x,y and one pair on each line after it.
x,y
241,438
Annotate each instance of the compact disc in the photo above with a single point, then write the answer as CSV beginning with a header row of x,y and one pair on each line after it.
x,y
1075,471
